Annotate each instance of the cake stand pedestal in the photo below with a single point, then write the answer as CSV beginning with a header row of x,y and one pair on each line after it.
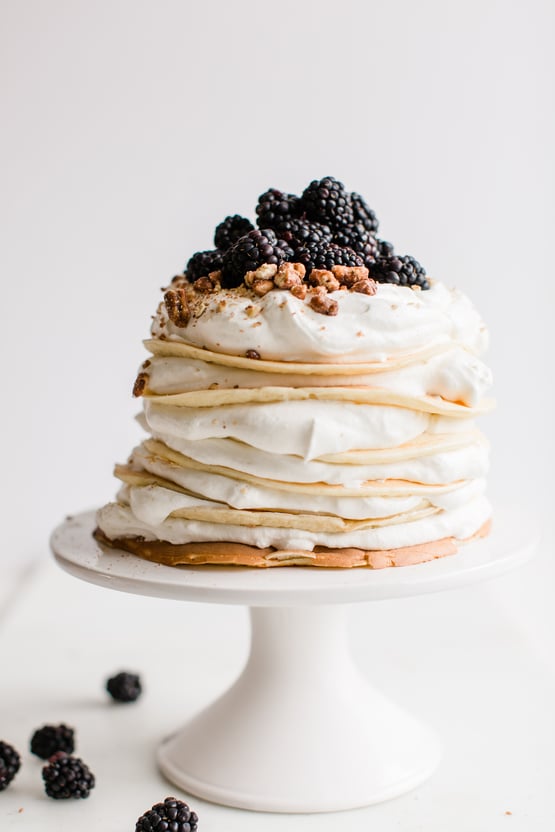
x,y
300,730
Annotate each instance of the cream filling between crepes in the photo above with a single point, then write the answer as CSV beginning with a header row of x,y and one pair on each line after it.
x,y
280,456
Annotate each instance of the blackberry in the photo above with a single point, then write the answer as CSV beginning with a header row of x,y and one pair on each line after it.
x,y
170,816
318,256
275,208
385,249
300,232
124,687
202,263
249,252
363,214
357,238
327,201
51,738
402,271
66,777
10,762
229,231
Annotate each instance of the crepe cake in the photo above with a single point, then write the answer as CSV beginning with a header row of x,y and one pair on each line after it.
x,y
310,399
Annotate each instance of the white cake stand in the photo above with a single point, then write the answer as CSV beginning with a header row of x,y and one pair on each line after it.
x,y
300,730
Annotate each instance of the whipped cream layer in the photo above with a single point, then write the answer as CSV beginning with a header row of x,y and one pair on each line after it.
x,y
281,327
407,475
118,520
455,374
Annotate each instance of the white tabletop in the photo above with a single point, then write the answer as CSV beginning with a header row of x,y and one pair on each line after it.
x,y
461,660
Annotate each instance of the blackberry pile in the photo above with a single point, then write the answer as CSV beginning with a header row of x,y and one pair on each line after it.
x,y
65,777
10,761
49,739
124,687
326,226
170,816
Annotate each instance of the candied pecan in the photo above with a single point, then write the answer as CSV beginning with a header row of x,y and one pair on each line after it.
x,y
252,354
262,287
266,271
365,287
203,284
140,384
349,275
320,302
176,305
216,278
323,277
289,275
300,291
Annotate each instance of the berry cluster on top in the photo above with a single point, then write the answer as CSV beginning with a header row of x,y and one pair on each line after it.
x,y
325,227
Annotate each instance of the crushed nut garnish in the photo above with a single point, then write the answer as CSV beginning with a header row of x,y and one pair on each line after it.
x,y
266,271
300,291
323,277
349,275
262,287
289,275
176,305
140,384
365,287
203,284
323,304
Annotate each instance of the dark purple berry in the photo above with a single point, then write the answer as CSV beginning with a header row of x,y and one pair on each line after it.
x,y
10,761
327,201
401,271
170,816
275,209
66,777
124,687
363,214
318,256
202,263
51,738
251,251
229,231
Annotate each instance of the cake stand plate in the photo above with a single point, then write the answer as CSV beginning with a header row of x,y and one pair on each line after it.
x,y
300,730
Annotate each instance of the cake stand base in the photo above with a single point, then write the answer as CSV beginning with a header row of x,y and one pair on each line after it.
x,y
300,730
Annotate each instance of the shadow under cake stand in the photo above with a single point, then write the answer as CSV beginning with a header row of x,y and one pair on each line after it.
x,y
301,730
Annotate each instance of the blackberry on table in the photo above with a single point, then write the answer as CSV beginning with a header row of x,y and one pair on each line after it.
x,y
402,271
66,777
251,251
229,231
10,762
275,208
318,256
124,687
170,816
202,263
51,738
363,214
327,201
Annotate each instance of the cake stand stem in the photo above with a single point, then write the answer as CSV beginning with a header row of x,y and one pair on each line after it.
x,y
300,730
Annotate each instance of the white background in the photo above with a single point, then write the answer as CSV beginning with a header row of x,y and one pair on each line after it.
x,y
131,128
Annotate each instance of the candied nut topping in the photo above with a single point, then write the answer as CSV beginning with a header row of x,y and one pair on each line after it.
x,y
300,291
262,287
365,287
140,384
289,275
203,284
323,304
177,307
323,277
349,275
253,354
266,271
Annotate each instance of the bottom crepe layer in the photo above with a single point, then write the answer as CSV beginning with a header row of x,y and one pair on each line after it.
x,y
238,554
